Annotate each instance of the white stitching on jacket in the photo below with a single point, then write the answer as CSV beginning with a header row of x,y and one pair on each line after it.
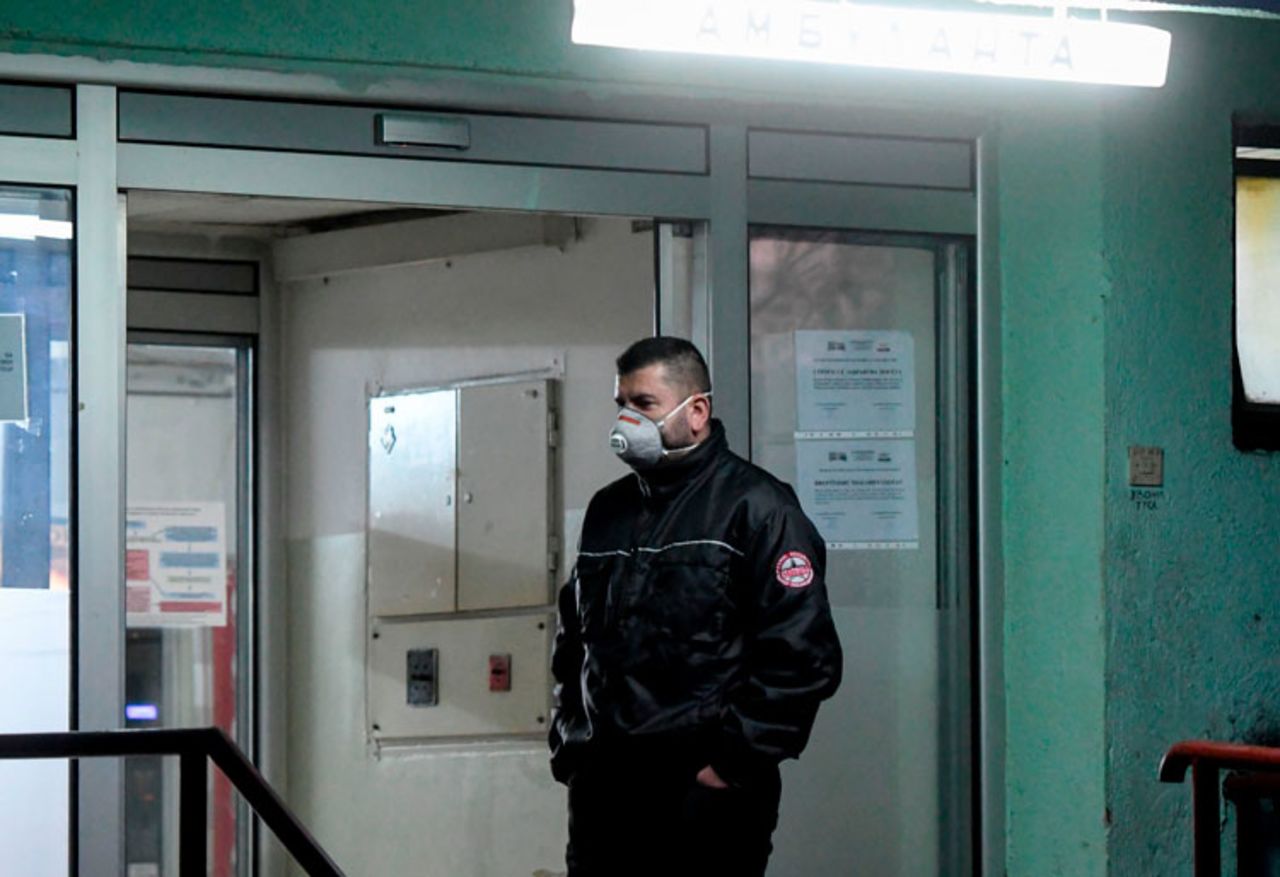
x,y
622,552
691,542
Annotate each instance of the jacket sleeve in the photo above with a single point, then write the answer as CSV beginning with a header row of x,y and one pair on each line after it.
x,y
792,658
566,670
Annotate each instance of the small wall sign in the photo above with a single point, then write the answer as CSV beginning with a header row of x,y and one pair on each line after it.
x,y
1146,466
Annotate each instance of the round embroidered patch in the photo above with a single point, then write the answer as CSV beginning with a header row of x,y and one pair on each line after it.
x,y
794,570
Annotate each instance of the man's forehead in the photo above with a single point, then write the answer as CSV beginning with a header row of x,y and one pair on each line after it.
x,y
650,381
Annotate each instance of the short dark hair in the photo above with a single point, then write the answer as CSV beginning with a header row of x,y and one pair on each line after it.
x,y
684,365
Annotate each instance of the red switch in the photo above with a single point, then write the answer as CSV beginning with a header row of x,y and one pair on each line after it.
x,y
499,672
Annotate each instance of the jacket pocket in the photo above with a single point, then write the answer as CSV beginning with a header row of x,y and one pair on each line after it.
x,y
596,593
689,602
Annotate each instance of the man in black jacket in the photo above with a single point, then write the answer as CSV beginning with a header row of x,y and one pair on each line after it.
x,y
694,642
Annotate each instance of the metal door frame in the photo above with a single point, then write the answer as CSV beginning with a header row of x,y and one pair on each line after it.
x,y
956,327
724,198
248,539
85,164
907,211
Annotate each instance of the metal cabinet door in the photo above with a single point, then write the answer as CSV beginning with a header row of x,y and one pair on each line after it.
x,y
505,495
412,461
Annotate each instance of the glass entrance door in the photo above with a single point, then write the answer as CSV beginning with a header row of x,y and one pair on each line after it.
x,y
189,581
901,805
857,377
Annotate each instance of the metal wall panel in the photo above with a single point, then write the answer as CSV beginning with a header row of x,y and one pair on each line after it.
x,y
728,351
504,510
412,464
465,706
347,130
40,161
37,110
865,208
222,276
187,312
435,184
879,161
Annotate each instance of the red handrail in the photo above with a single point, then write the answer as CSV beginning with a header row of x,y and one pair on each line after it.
x,y
1229,756
1205,758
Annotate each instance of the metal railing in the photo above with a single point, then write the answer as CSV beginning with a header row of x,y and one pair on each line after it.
x,y
1205,759
194,748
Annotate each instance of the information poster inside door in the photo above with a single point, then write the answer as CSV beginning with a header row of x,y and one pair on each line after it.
x,y
860,493
176,565
855,437
855,384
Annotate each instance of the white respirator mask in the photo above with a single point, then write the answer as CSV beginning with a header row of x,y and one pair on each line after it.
x,y
638,440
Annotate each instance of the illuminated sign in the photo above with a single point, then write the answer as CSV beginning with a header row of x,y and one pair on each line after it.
x,y
142,712
843,32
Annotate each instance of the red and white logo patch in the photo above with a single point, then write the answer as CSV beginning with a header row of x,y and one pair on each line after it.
x,y
794,570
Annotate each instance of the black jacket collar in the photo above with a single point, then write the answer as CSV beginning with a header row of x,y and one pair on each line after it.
x,y
669,478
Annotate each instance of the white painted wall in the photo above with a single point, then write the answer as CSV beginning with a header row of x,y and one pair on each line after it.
x,y
447,810
182,448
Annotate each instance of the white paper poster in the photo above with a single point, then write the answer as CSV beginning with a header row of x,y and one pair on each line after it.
x,y
860,493
176,565
13,368
855,383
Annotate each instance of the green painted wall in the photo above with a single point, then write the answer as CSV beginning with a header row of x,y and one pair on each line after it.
x,y
1125,629
388,33
1192,585
1053,286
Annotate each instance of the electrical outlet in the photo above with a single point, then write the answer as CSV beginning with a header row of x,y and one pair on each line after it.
x,y
422,673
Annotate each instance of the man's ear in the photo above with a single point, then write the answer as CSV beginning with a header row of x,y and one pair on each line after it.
x,y
700,415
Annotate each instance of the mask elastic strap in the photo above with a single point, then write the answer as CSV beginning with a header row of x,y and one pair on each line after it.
x,y
679,452
674,411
